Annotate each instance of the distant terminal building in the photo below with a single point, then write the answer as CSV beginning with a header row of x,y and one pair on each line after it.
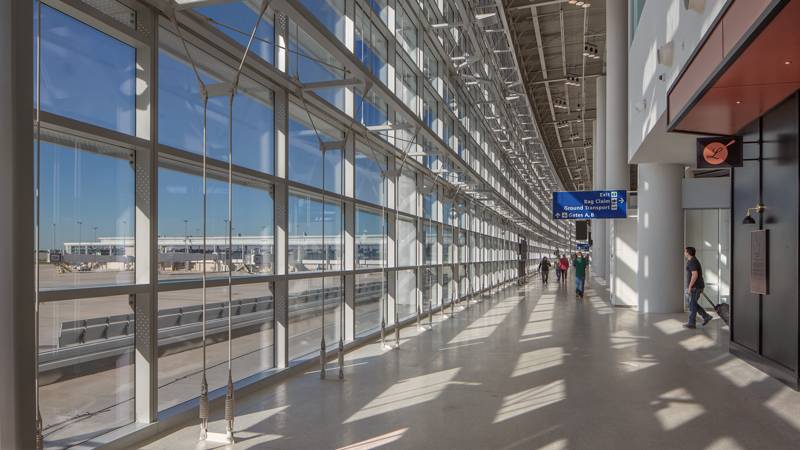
x,y
252,253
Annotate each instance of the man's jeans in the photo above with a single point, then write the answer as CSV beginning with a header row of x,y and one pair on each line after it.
x,y
579,282
694,307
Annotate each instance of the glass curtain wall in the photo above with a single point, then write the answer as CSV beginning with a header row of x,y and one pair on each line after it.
x,y
145,188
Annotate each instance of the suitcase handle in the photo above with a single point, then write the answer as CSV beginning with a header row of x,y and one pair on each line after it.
x,y
709,300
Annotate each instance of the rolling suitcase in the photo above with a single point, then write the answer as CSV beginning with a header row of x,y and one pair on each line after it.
x,y
723,310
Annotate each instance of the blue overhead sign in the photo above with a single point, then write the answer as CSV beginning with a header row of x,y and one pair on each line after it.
x,y
583,247
590,205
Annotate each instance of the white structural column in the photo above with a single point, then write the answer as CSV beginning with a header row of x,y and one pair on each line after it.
x,y
660,236
617,170
17,331
622,233
599,227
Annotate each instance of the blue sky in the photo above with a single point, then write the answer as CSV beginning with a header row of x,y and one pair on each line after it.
x,y
89,76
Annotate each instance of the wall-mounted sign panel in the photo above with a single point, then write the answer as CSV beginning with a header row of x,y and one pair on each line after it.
x,y
719,152
758,262
590,205
581,230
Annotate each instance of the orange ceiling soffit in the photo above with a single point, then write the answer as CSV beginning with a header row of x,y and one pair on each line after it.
x,y
748,63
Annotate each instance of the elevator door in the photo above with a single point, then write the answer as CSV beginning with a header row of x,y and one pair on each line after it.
x,y
708,230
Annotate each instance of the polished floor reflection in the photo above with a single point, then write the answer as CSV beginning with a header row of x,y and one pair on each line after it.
x,y
529,367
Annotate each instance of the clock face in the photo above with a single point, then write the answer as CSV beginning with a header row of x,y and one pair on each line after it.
x,y
715,153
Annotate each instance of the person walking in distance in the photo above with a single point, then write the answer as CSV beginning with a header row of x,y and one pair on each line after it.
x,y
694,287
558,269
544,269
563,264
580,274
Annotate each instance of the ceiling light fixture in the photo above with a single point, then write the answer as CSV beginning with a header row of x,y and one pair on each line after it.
x,y
590,50
573,80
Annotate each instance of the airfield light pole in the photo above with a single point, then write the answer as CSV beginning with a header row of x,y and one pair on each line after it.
x,y
185,244
80,225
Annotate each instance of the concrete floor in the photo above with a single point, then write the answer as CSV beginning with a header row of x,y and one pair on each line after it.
x,y
527,368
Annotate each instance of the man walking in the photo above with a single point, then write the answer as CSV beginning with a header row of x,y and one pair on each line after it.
x,y
694,287
580,274
544,269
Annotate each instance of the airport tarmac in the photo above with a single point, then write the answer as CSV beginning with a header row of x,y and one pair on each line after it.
x,y
87,397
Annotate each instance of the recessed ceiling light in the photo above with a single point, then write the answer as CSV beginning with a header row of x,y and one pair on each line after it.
x,y
738,102
788,62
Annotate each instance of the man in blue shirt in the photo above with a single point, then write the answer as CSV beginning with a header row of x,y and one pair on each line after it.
x,y
694,287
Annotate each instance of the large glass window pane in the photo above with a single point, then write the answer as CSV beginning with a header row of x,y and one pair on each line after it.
x,y
430,245
448,211
382,8
371,47
180,319
430,110
306,158
308,250
447,245
241,16
407,243
181,109
406,86
372,110
180,225
369,185
86,75
448,286
86,368
86,212
310,62
430,211
307,319
430,66
406,33
407,192
370,303
406,293
430,284
462,246
330,13
370,231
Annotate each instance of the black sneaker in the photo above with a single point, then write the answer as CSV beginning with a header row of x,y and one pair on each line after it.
x,y
689,326
707,319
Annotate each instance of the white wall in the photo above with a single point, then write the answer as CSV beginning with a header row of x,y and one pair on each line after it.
x,y
624,261
662,21
704,193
